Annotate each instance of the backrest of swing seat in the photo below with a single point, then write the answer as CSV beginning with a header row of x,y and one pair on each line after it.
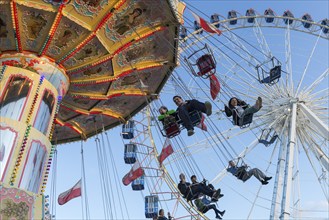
x,y
205,64
246,120
172,130
205,201
275,72
195,117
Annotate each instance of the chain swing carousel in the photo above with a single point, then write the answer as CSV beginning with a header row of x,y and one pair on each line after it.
x,y
63,61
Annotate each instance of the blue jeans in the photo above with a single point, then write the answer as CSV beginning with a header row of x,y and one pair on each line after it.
x,y
183,112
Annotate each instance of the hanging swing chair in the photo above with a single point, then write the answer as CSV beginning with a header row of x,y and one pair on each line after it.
x,y
269,77
243,122
266,138
172,127
203,65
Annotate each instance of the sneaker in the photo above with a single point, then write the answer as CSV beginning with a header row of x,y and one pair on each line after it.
x,y
190,132
220,196
222,213
259,103
264,182
208,108
218,217
214,199
216,194
267,178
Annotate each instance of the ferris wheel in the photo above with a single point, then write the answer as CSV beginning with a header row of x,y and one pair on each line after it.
x,y
279,58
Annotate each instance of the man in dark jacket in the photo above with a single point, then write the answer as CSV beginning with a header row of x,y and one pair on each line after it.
x,y
184,107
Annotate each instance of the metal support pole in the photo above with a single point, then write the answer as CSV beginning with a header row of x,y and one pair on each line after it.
x,y
277,191
285,205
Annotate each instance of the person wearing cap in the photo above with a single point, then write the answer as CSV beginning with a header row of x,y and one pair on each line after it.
x,y
184,107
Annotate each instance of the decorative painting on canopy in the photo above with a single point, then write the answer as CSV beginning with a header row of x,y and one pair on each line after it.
x,y
91,51
68,34
95,89
92,73
122,104
35,23
89,7
152,48
6,28
135,15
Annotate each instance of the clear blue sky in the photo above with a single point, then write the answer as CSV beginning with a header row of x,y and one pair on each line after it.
x,y
69,156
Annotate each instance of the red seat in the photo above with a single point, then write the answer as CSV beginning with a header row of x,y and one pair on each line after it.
x,y
205,64
172,130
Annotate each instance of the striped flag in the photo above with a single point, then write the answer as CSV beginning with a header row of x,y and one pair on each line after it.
x,y
166,151
214,86
202,125
135,172
205,25
72,193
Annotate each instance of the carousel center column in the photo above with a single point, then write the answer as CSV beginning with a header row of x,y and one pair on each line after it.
x,y
31,89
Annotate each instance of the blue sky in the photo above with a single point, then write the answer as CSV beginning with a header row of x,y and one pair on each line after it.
x,y
69,155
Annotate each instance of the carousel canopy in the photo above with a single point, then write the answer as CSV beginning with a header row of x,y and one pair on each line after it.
x,y
117,54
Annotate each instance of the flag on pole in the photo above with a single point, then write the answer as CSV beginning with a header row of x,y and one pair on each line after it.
x,y
72,193
214,86
135,172
166,151
210,28
202,125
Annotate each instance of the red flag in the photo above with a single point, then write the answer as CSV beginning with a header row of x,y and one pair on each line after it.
x,y
166,151
72,193
135,172
214,86
205,25
202,125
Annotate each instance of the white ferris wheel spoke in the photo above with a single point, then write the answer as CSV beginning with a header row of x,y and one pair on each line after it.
x,y
321,127
316,82
306,67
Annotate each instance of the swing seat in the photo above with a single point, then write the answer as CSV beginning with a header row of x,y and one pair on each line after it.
x,y
195,117
205,201
172,130
245,121
206,64
275,74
